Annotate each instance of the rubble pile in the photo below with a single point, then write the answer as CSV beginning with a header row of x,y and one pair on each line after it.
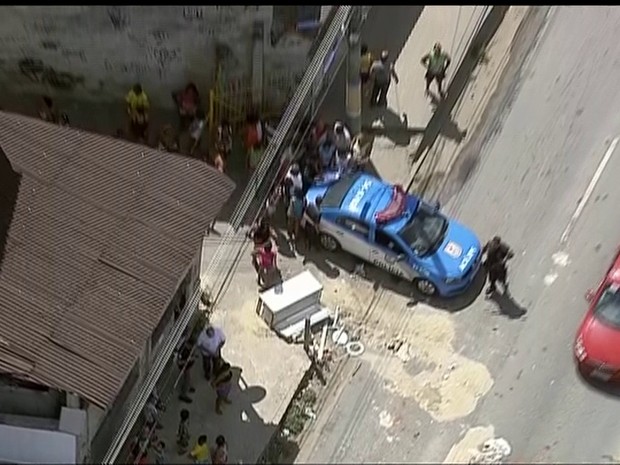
x,y
493,451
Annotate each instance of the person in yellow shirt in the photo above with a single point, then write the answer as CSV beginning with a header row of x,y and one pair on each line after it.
x,y
136,98
365,64
138,110
200,453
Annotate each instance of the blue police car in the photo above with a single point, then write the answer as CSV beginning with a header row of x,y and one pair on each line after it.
x,y
396,231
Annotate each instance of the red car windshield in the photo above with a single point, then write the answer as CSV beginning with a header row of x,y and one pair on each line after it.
x,y
607,308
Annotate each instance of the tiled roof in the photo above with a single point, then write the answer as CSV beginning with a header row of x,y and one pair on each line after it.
x,y
95,235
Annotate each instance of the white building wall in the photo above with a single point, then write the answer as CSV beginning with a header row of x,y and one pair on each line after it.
x,y
98,52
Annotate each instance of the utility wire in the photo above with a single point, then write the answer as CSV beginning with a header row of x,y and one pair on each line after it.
x,y
277,148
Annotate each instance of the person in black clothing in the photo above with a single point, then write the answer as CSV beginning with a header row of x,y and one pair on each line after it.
x,y
497,254
185,361
311,220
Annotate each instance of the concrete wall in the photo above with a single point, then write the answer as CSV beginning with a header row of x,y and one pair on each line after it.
x,y
16,399
98,52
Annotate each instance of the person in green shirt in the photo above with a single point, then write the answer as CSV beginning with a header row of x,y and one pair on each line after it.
x,y
436,63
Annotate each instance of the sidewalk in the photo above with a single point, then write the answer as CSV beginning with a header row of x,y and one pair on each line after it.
x,y
267,370
409,110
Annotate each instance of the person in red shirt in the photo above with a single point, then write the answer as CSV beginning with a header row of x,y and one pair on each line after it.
x,y
267,265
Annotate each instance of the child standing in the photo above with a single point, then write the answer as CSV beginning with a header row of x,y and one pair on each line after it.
x,y
183,432
222,385
196,129
160,453
220,454
200,453
223,142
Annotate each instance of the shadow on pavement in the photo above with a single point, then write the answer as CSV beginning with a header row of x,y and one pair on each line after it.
x,y
334,264
401,20
387,27
244,429
461,77
608,389
508,306
391,125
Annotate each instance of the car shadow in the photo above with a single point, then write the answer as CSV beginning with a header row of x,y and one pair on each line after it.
x,y
606,388
334,264
507,305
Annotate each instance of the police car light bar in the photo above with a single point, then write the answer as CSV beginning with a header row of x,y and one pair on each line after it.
x,y
395,208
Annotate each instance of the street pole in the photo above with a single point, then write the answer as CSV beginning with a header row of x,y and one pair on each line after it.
x,y
354,84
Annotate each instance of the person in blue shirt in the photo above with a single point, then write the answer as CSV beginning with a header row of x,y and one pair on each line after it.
x,y
327,154
295,213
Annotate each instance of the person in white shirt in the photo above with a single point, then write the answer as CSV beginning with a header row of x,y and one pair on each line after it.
x,y
342,138
196,129
210,343
295,177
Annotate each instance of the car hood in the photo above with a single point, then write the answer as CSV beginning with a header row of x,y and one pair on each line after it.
x,y
601,341
459,251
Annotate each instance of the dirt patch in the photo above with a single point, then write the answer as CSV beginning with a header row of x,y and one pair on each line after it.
x,y
450,384
466,449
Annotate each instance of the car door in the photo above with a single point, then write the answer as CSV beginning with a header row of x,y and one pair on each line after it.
x,y
353,236
388,253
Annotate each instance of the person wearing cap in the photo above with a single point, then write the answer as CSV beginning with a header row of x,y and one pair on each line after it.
x,y
381,73
436,63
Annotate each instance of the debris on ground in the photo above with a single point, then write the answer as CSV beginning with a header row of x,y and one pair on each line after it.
x,y
359,270
401,349
493,451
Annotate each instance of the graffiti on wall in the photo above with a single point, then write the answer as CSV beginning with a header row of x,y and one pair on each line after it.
x,y
164,57
132,68
118,18
45,26
74,55
192,13
67,53
159,36
38,72
283,80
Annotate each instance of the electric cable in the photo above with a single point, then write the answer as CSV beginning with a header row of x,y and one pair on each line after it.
x,y
275,148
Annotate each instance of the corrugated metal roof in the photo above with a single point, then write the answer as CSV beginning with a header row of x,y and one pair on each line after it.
x,y
100,234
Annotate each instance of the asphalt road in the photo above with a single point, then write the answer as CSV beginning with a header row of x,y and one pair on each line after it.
x,y
532,183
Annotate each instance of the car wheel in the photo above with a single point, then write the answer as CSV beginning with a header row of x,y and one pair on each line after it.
x,y
426,287
329,243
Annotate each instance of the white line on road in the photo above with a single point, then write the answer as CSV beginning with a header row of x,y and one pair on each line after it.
x,y
588,193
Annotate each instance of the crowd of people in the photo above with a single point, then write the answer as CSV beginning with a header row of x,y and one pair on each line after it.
x,y
328,153
147,446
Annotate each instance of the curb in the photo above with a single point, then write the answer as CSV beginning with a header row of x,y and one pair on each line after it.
x,y
458,84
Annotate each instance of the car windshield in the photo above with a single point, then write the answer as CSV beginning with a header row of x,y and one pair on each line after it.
x,y
425,232
336,193
608,307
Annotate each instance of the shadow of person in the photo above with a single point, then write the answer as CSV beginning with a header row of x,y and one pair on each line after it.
x,y
244,396
508,306
383,121
317,257
449,128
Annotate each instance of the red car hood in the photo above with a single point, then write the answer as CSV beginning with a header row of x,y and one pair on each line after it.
x,y
602,342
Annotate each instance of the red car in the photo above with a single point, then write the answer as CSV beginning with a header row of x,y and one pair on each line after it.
x,y
597,346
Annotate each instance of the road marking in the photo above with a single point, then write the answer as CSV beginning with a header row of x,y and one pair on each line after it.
x,y
385,419
590,189
560,259
550,279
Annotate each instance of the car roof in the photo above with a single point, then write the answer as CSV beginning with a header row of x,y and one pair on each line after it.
x,y
369,195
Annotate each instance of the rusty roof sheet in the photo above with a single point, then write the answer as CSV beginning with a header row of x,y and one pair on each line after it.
x,y
99,233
